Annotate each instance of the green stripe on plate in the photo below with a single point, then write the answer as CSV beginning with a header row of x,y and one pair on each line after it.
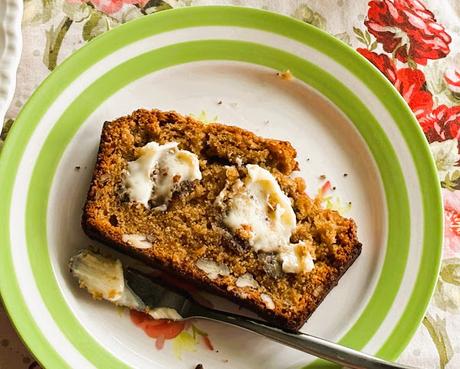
x,y
189,17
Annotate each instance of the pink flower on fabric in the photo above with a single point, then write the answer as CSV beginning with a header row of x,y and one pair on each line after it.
x,y
109,6
407,29
451,223
452,75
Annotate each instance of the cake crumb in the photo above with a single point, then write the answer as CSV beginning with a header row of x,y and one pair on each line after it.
x,y
322,177
286,75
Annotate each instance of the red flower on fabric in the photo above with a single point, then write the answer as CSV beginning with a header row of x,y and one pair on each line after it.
x,y
443,123
407,28
109,6
410,83
382,62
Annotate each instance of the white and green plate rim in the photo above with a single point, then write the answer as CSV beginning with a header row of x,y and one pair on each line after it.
x,y
393,178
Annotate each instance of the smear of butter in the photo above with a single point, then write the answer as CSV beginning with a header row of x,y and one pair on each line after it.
x,y
158,171
101,276
259,211
263,209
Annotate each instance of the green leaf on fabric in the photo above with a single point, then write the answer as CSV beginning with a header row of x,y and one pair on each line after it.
x,y
154,6
453,97
450,271
358,32
7,124
367,37
412,64
362,40
447,292
437,329
308,15
451,181
78,12
360,36
54,38
96,24
447,297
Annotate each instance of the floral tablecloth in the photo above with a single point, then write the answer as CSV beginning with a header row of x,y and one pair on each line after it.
x,y
415,45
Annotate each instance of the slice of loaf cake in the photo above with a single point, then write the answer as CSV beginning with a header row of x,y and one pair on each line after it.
x,y
217,206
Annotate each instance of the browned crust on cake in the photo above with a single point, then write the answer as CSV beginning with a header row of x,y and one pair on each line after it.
x,y
278,156
291,323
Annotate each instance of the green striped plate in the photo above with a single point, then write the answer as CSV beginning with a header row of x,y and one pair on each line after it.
x,y
342,116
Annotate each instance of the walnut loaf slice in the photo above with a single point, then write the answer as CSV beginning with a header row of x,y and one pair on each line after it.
x,y
216,205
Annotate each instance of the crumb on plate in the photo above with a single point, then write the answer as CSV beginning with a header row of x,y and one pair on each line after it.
x,y
286,75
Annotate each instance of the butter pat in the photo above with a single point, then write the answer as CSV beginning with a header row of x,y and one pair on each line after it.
x,y
103,278
158,171
263,210
100,275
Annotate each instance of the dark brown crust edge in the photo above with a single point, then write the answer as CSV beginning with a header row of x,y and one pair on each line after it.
x,y
293,324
